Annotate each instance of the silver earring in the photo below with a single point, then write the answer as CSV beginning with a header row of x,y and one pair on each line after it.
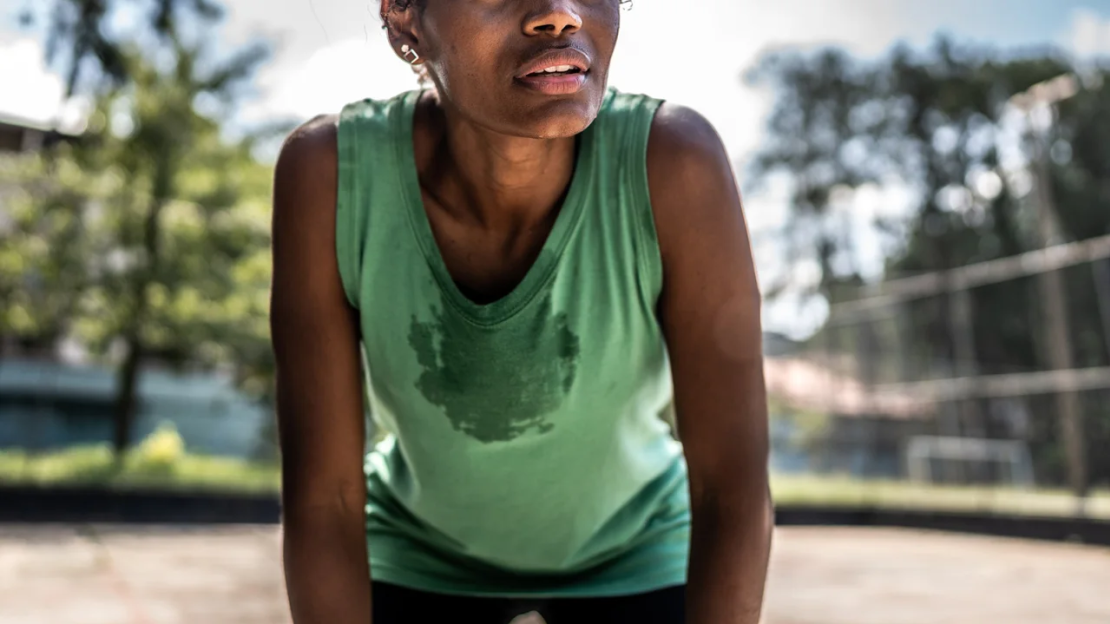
x,y
409,54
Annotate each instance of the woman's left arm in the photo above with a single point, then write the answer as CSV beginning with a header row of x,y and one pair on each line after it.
x,y
710,313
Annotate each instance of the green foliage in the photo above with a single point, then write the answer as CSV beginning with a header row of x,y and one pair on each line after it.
x,y
938,124
76,32
49,204
161,451
848,492
79,35
159,461
78,256
95,466
935,122
203,279
151,231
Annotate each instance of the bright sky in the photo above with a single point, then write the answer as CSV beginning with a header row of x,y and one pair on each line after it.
x,y
688,51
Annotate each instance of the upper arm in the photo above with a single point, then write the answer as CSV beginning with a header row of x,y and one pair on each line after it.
x,y
314,329
710,304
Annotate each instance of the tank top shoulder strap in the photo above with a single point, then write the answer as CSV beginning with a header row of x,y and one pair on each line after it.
x,y
624,127
369,187
371,196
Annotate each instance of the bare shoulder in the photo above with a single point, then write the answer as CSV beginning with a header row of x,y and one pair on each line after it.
x,y
306,179
310,150
304,217
319,129
690,178
682,137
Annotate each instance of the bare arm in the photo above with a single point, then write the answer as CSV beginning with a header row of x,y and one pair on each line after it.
x,y
319,390
710,311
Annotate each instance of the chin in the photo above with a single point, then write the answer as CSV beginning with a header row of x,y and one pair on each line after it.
x,y
561,118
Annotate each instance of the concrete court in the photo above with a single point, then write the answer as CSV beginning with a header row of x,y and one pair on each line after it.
x,y
127,575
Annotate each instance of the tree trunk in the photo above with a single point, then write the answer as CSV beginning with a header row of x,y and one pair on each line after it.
x,y
126,400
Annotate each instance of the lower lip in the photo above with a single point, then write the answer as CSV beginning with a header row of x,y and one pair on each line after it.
x,y
555,85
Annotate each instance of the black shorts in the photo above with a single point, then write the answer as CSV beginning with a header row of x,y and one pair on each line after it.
x,y
399,605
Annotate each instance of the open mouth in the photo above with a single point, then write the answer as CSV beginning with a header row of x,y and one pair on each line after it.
x,y
562,71
555,71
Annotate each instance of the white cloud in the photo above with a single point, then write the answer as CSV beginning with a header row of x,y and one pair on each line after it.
x,y
1090,34
328,78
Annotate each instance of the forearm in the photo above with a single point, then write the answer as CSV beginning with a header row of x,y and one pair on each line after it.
x,y
326,568
730,548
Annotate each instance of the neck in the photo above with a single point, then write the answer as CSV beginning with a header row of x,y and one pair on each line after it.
x,y
496,179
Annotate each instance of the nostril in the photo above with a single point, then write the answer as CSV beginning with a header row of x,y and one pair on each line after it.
x,y
554,23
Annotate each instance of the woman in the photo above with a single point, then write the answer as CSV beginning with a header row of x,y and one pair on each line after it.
x,y
525,263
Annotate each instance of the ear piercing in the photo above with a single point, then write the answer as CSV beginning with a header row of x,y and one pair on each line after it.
x,y
409,54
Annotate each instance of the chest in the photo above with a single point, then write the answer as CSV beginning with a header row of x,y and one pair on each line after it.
x,y
486,263
575,340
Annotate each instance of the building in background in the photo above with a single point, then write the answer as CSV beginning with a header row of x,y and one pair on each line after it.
x,y
45,405
23,135
826,420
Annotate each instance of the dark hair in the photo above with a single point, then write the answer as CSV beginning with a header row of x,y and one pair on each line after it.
x,y
401,5
404,4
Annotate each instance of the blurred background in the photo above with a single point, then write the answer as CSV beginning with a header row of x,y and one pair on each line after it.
x,y
928,190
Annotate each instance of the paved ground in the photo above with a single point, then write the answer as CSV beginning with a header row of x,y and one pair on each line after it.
x,y
819,576
869,576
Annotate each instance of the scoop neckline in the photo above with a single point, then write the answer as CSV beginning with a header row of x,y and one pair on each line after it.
x,y
542,269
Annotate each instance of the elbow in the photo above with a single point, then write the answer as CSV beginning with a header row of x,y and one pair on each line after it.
x,y
736,502
732,519
745,498
340,503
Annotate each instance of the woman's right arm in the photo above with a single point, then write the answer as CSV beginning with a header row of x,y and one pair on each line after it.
x,y
319,390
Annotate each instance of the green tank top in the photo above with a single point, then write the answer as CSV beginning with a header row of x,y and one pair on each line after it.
x,y
527,456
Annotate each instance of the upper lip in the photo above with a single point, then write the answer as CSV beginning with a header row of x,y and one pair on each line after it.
x,y
554,58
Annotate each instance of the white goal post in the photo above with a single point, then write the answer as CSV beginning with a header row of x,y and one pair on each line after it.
x,y
922,451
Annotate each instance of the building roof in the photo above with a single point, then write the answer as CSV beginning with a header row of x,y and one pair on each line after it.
x,y
16,121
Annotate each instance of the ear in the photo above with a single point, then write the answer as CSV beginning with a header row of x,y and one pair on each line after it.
x,y
401,27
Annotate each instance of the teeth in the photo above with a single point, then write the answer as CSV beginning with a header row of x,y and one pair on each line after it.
x,y
558,69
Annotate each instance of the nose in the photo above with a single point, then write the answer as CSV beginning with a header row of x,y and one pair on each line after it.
x,y
554,19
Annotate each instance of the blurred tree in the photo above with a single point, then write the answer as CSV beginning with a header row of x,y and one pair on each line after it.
x,y
197,210
44,252
78,39
818,97
937,125
154,244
